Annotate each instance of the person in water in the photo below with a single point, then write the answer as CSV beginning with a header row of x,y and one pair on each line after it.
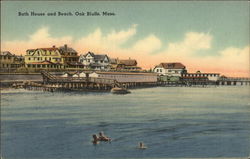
x,y
102,137
95,139
142,146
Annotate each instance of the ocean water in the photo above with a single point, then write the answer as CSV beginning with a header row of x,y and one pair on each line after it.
x,y
173,122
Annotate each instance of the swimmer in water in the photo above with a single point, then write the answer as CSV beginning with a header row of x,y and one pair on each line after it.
x,y
102,137
141,146
95,139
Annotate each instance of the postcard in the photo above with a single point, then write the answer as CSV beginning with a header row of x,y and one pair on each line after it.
x,y
125,79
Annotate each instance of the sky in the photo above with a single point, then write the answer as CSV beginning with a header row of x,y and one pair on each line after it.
x,y
210,36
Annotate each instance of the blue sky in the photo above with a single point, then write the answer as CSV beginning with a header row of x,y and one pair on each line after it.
x,y
223,24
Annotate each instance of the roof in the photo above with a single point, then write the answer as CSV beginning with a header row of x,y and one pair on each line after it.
x,y
65,48
48,49
97,56
100,57
129,62
173,65
6,53
30,49
91,53
95,65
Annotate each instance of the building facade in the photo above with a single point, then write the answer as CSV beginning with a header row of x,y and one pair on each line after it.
x,y
10,62
95,61
124,65
44,58
70,57
170,69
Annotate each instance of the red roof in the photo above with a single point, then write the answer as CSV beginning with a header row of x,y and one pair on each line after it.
x,y
173,65
50,49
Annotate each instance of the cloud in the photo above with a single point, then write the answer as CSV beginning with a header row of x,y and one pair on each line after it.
x,y
41,38
148,45
235,59
99,42
192,43
121,36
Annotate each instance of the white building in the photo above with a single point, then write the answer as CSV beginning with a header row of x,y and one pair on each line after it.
x,y
96,62
126,76
170,69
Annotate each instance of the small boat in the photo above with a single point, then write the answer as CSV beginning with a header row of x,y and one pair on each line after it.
x,y
118,90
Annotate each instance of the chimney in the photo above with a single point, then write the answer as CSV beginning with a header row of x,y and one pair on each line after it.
x,y
65,46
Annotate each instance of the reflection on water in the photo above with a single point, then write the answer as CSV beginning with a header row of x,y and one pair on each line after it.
x,y
172,122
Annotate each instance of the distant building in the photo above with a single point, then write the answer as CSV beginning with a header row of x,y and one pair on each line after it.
x,y
124,65
70,57
44,58
170,69
10,62
113,63
194,80
210,76
95,61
